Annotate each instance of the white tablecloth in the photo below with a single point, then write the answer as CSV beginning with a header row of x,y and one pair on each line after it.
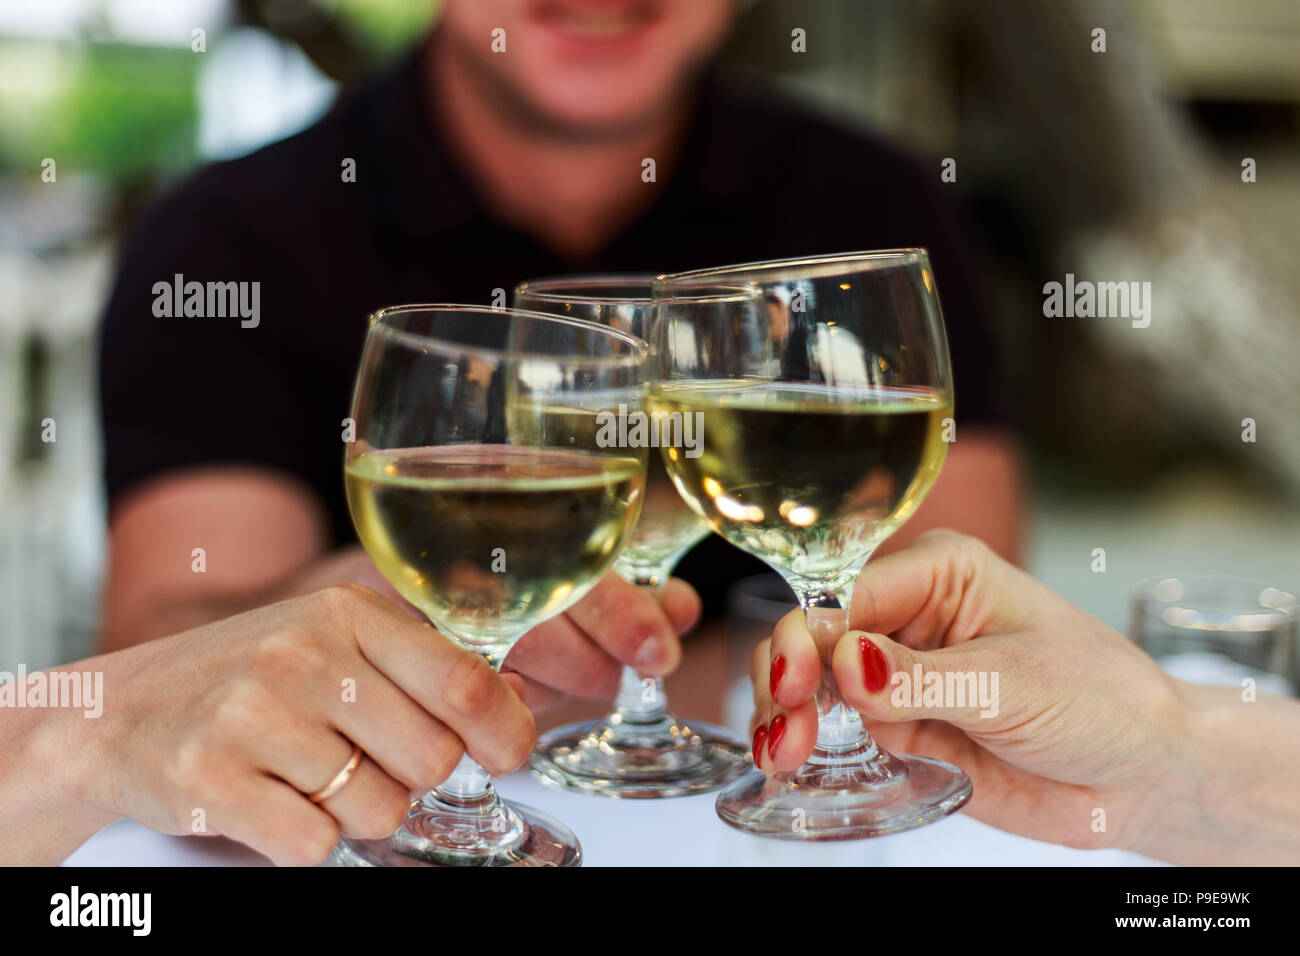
x,y
683,831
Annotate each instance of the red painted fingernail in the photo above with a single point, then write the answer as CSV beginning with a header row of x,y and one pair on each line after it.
x,y
760,736
775,733
778,671
875,669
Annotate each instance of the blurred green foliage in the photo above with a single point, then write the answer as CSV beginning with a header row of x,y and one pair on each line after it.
x,y
388,26
127,111
120,110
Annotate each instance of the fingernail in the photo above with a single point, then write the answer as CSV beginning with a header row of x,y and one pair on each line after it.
x,y
760,736
775,733
777,672
650,655
875,669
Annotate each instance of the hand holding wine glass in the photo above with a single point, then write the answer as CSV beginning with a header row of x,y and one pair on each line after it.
x,y
249,719
480,518
1083,720
823,393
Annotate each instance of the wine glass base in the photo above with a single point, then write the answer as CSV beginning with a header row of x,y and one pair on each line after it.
x,y
541,841
896,792
628,761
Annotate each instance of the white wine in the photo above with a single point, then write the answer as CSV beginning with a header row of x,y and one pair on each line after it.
x,y
808,477
489,540
667,526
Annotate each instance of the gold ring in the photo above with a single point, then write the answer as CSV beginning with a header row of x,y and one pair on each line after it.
x,y
340,779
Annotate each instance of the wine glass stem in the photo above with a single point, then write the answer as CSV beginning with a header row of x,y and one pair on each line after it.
x,y
469,789
642,700
840,732
469,784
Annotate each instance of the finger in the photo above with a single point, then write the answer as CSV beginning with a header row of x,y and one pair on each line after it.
x,y
356,565
682,605
401,736
517,683
370,806
782,736
791,735
760,661
273,818
456,686
943,589
796,667
886,681
541,698
629,625
409,751
758,721
558,654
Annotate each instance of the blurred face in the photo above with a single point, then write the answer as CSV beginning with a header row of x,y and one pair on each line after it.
x,y
586,66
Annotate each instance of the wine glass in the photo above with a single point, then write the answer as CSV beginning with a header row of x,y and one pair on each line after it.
x,y
823,405
481,520
639,749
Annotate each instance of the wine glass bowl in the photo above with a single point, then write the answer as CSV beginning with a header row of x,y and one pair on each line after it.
x,y
825,401
484,516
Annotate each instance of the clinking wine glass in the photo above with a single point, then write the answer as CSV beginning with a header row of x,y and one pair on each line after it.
x,y
823,399
639,749
481,522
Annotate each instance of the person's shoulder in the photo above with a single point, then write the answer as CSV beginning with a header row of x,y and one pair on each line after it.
x,y
282,184
273,178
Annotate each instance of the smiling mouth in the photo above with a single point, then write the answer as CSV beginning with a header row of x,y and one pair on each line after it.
x,y
586,22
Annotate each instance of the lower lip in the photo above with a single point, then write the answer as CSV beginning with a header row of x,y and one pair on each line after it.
x,y
610,45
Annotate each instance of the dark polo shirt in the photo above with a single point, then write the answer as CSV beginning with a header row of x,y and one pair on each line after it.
x,y
760,178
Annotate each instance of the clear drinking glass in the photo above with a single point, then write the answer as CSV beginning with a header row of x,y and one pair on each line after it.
x,y
482,514
639,749
823,397
1215,629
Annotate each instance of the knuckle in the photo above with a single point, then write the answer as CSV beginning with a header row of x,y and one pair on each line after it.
x,y
187,771
470,685
194,773
341,601
971,549
940,536
239,712
291,652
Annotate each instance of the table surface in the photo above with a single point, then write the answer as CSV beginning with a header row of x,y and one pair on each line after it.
x,y
682,831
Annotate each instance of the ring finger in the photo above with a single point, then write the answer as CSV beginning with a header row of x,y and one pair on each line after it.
x,y
370,805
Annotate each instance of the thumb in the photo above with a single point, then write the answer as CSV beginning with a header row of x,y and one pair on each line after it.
x,y
886,681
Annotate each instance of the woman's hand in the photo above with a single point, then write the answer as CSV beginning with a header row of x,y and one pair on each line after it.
x,y
1087,742
230,725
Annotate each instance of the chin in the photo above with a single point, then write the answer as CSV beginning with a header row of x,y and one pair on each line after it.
x,y
593,108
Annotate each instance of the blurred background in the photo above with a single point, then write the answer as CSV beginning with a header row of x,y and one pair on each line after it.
x,y
1135,436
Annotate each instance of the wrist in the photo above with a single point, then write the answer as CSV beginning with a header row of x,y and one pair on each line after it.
x,y
53,800
1229,795
1162,809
